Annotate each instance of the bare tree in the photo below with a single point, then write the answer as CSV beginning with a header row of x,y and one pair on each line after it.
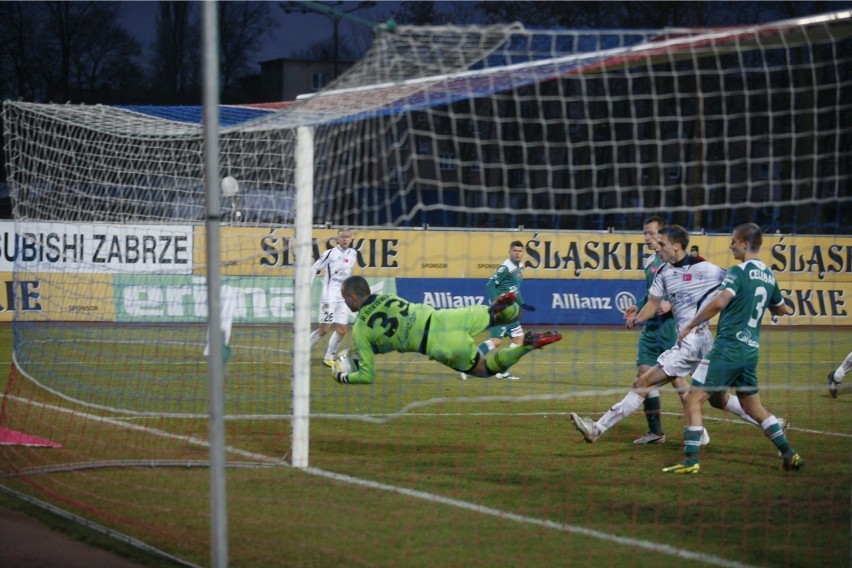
x,y
421,13
242,27
67,23
176,52
104,65
335,12
21,51
66,51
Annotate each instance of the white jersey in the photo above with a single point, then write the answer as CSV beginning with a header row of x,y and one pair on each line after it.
x,y
337,264
687,284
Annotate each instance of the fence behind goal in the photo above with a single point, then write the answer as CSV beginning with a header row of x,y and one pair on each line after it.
x,y
439,149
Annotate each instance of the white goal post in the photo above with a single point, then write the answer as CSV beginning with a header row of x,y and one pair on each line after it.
x,y
477,130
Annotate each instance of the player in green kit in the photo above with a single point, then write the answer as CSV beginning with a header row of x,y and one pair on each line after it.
x,y
506,279
749,288
386,323
658,335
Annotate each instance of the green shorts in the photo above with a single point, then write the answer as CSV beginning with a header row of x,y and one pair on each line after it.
x,y
513,329
652,344
727,367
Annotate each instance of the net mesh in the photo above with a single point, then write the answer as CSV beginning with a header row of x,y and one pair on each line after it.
x,y
440,148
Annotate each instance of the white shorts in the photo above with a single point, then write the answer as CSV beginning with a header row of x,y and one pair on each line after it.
x,y
682,359
336,313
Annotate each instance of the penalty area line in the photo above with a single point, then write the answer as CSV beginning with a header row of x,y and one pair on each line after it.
x,y
563,527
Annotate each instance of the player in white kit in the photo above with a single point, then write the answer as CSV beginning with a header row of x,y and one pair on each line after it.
x,y
687,281
336,265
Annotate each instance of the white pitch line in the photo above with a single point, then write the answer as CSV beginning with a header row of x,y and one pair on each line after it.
x,y
429,497
563,527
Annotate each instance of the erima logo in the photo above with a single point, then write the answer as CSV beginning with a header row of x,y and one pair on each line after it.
x,y
448,300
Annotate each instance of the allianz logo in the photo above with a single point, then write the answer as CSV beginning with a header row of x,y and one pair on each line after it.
x,y
575,301
449,300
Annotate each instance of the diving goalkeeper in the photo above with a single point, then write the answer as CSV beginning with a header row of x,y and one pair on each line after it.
x,y
386,322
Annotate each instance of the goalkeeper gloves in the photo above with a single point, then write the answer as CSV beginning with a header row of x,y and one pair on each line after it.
x,y
528,307
341,377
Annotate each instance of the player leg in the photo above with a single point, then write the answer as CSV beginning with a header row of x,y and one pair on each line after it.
x,y
746,388
451,340
489,344
326,318
651,346
340,319
651,406
318,333
592,430
692,433
502,360
516,332
503,311
709,377
678,361
334,342
836,377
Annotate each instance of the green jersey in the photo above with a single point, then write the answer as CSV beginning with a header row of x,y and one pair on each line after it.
x,y
655,323
754,288
508,278
388,323
659,333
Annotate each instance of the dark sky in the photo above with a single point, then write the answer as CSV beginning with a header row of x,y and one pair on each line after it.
x,y
293,32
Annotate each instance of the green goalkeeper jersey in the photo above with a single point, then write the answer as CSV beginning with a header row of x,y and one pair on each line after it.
x,y
386,323
754,287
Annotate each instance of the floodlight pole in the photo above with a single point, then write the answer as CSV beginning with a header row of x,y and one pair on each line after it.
x,y
215,361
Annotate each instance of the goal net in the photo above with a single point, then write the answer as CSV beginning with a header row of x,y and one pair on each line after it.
x,y
439,149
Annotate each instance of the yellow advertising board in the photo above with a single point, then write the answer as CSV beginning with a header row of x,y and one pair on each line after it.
x,y
53,296
476,254
814,272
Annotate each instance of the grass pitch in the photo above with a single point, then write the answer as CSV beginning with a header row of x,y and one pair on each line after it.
x,y
423,469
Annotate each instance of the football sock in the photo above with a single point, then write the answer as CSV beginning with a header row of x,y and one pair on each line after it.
x,y
776,435
333,344
844,368
628,405
692,443
315,335
486,347
503,359
733,406
652,411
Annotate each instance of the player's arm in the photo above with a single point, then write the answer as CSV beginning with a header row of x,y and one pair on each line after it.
x,y
777,305
635,308
708,311
779,310
494,282
647,312
366,373
321,263
522,303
